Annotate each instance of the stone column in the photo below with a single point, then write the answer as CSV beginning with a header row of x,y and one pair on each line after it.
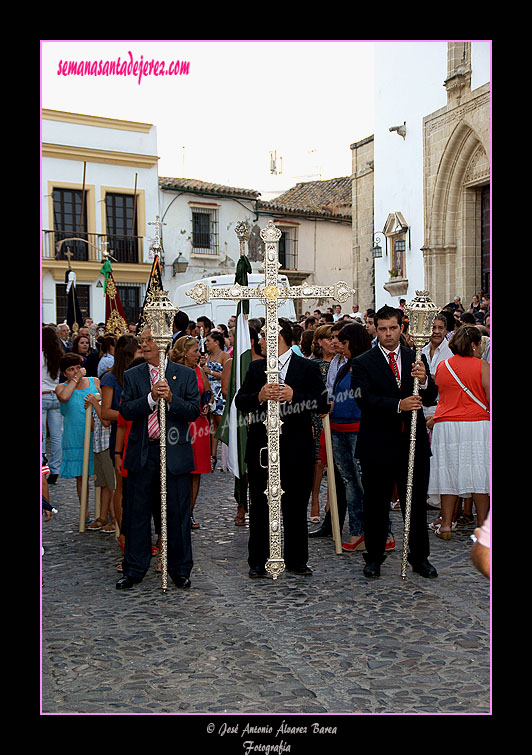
x,y
362,208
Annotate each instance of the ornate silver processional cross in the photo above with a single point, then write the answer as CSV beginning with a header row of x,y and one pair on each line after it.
x,y
271,293
156,246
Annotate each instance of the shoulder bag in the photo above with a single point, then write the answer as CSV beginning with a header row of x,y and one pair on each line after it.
x,y
469,393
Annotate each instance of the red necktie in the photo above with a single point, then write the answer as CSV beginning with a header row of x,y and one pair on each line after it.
x,y
393,364
154,431
395,369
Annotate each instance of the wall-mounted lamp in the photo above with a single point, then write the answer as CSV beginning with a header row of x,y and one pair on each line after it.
x,y
376,249
179,265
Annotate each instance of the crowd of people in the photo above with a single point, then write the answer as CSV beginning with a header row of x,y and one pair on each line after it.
x,y
359,368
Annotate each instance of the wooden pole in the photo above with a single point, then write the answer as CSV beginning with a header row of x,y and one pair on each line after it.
x,y
331,484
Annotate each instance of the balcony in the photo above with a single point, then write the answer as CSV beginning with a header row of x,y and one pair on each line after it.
x,y
88,247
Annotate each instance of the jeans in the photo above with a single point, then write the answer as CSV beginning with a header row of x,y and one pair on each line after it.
x,y
51,415
344,456
349,467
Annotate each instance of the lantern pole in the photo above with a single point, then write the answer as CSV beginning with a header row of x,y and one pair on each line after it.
x,y
159,314
421,312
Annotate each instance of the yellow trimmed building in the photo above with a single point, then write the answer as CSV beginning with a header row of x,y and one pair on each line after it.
x,y
99,191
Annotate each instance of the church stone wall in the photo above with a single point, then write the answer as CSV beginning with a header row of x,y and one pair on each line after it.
x,y
456,165
362,225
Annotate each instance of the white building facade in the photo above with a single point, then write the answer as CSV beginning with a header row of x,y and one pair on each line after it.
x,y
100,187
198,234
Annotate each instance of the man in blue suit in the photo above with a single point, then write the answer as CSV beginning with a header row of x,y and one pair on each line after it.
x,y
142,392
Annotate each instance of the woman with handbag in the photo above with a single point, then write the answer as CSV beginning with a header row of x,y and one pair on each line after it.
x,y
460,463
186,351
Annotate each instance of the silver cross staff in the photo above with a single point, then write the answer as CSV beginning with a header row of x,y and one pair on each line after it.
x,y
156,246
271,293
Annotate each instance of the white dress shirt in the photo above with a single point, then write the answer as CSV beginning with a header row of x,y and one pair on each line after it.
x,y
284,361
397,352
441,353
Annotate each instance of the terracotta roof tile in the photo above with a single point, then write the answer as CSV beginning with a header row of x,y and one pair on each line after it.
x,y
331,198
328,198
204,186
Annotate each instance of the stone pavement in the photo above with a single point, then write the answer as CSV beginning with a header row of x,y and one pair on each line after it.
x,y
334,642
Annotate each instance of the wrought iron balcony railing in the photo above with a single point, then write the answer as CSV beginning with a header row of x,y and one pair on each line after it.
x,y
89,246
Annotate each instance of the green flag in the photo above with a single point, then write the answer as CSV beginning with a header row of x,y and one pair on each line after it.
x,y
233,426
105,270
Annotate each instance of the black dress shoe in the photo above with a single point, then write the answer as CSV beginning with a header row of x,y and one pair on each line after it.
x,y
183,582
52,479
425,568
372,569
257,571
124,583
321,532
303,571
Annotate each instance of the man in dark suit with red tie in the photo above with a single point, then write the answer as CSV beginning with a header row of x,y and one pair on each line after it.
x,y
140,396
383,381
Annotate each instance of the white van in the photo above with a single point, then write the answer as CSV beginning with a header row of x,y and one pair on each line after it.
x,y
220,310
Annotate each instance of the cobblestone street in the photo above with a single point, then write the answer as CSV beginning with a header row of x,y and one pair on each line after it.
x,y
331,643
